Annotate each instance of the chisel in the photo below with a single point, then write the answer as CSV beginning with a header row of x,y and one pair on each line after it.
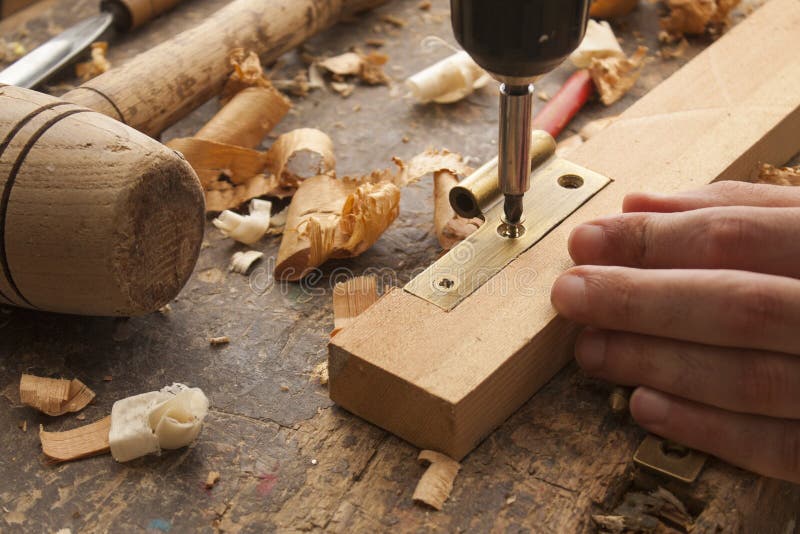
x,y
48,58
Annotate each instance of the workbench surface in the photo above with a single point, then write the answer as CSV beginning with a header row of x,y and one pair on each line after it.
x,y
288,458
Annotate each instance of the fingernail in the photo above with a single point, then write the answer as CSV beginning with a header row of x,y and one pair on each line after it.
x,y
587,244
590,351
649,407
569,295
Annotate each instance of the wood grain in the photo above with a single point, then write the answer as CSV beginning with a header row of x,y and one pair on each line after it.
x,y
162,85
444,381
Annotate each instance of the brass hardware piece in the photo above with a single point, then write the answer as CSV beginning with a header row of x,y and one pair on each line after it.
x,y
558,188
670,459
619,399
479,191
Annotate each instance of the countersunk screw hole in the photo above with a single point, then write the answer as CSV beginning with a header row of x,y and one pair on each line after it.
x,y
446,283
674,450
570,181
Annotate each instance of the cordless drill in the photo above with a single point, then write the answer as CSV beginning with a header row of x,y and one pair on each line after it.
x,y
517,41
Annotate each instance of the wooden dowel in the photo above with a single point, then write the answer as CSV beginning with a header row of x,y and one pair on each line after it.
x,y
161,86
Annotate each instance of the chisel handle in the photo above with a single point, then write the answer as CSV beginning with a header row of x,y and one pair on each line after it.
x,y
137,12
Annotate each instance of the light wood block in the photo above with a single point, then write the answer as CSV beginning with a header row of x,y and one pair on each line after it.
x,y
445,380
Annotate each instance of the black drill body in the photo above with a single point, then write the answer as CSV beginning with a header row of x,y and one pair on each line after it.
x,y
517,41
519,38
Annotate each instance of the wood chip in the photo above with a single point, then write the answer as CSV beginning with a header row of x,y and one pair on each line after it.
x,y
695,17
23,425
351,298
97,65
242,261
320,372
81,442
54,396
436,483
449,80
394,20
212,479
614,76
221,340
769,174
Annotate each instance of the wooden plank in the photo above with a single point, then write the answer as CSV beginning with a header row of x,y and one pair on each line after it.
x,y
444,381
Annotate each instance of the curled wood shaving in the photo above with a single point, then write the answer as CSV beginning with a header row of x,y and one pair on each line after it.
x,y
246,229
81,442
449,80
695,17
301,154
778,175
212,479
351,298
242,261
54,396
219,340
367,67
614,76
341,218
450,227
599,42
436,483
97,65
249,115
247,72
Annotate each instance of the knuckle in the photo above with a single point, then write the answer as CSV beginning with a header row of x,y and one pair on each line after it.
x,y
732,189
754,310
725,235
633,234
618,292
762,382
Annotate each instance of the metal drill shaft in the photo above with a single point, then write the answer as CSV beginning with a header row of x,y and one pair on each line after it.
x,y
514,166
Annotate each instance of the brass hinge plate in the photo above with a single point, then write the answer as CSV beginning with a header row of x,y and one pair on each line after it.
x,y
558,188
670,459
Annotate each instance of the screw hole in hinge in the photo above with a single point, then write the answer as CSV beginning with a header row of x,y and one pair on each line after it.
x,y
570,181
446,283
674,450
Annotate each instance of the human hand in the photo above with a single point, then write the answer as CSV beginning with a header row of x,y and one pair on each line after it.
x,y
695,299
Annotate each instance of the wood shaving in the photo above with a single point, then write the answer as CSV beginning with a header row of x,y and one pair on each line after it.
x,y
212,479
247,72
81,442
54,396
242,261
220,340
394,20
341,218
320,372
350,299
450,228
674,52
695,17
769,174
614,76
367,67
599,42
247,229
436,483
247,117
23,425
145,424
449,80
97,65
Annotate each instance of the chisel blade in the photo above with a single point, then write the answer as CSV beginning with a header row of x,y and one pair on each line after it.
x,y
47,58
